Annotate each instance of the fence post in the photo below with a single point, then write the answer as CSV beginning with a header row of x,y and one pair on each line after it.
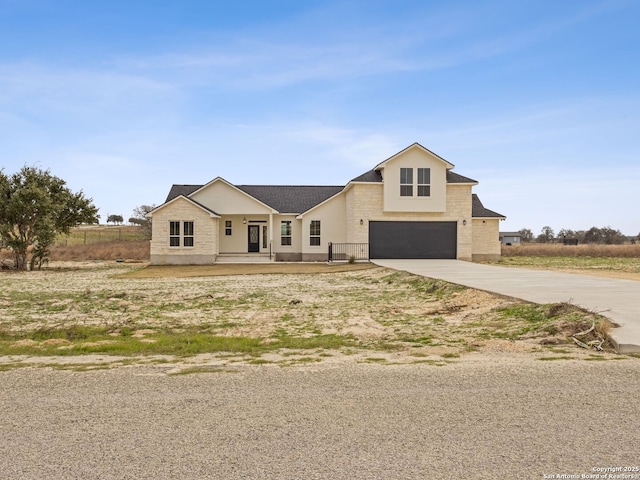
x,y
330,251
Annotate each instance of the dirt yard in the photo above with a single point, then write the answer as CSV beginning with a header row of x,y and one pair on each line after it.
x,y
358,313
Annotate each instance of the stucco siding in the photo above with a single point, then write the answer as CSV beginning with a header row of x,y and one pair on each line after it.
x,y
332,217
415,158
225,199
287,251
238,241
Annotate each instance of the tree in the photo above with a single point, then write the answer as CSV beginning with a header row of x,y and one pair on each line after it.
x,y
526,235
611,236
35,206
140,218
566,233
593,235
115,219
546,235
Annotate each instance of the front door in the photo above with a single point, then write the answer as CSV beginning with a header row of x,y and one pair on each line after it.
x,y
254,238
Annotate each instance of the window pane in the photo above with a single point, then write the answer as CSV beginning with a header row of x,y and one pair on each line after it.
x,y
314,241
188,241
424,191
406,175
314,228
174,241
406,190
286,241
188,228
285,228
424,176
174,228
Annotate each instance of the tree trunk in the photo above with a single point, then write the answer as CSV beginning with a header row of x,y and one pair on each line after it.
x,y
21,260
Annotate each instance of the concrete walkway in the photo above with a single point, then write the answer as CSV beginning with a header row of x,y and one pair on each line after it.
x,y
616,299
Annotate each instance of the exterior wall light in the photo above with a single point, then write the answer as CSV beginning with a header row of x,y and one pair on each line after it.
x,y
244,220
361,222
464,222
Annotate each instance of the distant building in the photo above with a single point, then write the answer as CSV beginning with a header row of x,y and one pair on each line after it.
x,y
510,238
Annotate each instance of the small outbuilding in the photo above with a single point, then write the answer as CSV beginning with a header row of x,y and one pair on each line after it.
x,y
510,238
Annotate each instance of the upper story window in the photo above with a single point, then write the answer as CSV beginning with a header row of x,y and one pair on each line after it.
x,y
314,233
424,182
406,182
285,232
227,227
186,238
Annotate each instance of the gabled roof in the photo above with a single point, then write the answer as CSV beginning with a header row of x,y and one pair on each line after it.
x,y
291,198
374,176
177,190
478,210
190,200
413,145
283,198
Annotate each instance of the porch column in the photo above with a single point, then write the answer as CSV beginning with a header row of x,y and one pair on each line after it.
x,y
271,232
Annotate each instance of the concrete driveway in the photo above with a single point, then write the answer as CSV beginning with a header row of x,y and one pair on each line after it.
x,y
616,299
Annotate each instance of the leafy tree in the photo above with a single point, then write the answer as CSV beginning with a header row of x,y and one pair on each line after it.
x,y
35,206
140,218
526,235
115,219
611,236
546,235
566,233
593,235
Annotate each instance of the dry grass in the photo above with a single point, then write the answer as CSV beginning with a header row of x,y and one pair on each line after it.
x,y
128,250
341,313
222,269
559,250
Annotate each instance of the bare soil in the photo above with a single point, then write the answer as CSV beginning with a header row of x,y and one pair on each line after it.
x,y
394,317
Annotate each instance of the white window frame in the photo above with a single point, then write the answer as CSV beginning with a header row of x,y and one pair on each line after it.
x,y
314,233
286,234
406,182
424,184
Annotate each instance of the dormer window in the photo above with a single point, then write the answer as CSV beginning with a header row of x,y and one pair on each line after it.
x,y
406,182
424,182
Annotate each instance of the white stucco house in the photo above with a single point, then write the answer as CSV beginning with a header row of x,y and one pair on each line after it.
x,y
411,205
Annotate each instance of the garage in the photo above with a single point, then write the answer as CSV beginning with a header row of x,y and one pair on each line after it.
x,y
413,239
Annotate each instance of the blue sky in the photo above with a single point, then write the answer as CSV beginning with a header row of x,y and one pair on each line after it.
x,y
537,100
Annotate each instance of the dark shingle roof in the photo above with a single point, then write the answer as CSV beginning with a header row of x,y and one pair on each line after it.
x,y
455,178
375,176
177,190
291,199
370,176
478,210
283,198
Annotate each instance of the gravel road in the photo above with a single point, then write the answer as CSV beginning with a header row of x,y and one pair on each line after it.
x,y
484,417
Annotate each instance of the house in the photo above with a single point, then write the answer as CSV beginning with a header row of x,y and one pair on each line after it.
x,y
412,205
510,238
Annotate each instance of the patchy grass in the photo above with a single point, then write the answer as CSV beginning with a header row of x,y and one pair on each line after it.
x,y
287,314
223,269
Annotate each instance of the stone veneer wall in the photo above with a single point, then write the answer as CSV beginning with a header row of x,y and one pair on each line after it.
x,y
365,201
486,240
205,247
